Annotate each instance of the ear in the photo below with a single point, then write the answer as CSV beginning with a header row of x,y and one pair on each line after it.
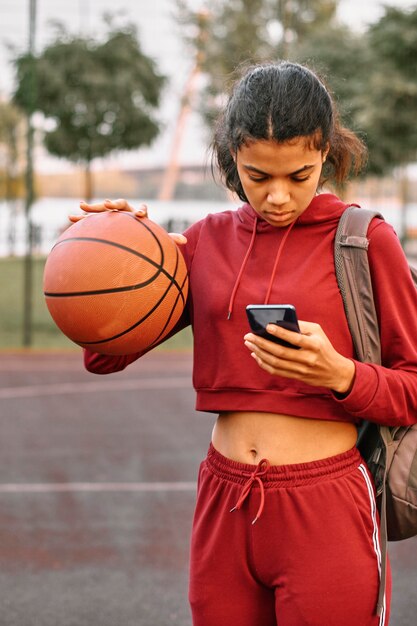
x,y
324,153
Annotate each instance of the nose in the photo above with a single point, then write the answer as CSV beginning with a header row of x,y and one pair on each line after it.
x,y
278,194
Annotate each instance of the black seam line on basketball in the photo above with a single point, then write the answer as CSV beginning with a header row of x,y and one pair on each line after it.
x,y
138,221
150,231
158,243
115,245
161,270
179,295
127,330
177,264
98,292
121,246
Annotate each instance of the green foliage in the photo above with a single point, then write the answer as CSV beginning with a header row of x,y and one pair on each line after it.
x,y
98,96
372,75
388,103
46,335
303,17
11,177
232,33
374,81
333,53
10,119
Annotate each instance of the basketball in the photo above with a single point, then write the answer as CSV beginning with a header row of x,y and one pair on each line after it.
x,y
115,283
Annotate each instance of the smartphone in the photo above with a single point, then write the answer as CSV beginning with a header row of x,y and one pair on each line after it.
x,y
284,315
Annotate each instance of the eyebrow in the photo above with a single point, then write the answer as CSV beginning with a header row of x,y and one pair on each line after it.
x,y
251,168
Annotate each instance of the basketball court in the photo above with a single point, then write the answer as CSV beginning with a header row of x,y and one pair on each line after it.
x,y
97,494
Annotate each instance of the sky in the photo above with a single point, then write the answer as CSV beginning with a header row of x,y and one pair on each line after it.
x,y
160,38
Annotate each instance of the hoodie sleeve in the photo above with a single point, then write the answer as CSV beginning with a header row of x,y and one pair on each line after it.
x,y
387,393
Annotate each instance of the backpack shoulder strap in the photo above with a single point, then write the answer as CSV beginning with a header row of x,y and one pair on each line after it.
x,y
355,284
354,280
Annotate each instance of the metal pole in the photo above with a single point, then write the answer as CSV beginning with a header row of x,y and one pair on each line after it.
x,y
28,263
172,172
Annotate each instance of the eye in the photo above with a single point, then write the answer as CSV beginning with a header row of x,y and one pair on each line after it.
x,y
297,179
257,179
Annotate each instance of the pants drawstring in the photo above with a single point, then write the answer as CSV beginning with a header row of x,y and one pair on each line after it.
x,y
261,469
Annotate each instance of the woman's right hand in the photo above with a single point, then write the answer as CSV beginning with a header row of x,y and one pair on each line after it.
x,y
120,205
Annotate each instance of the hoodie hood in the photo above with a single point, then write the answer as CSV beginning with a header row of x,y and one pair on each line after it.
x,y
325,207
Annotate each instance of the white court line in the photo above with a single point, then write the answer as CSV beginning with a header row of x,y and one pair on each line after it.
x,y
96,487
28,391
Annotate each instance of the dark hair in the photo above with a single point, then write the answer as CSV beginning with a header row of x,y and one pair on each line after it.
x,y
283,101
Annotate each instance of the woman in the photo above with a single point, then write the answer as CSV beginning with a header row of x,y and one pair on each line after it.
x,y
285,529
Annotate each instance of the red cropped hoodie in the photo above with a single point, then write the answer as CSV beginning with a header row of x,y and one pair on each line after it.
x,y
235,258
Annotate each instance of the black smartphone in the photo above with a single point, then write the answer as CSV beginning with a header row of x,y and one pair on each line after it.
x,y
284,315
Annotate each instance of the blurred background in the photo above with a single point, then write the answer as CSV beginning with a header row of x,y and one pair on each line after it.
x,y
97,102
98,483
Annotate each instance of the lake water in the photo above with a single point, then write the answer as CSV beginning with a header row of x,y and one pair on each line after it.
x,y
50,217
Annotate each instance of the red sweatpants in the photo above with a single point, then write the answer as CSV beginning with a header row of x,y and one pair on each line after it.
x,y
311,558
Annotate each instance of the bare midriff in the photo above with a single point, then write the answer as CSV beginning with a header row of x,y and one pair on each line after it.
x,y
248,437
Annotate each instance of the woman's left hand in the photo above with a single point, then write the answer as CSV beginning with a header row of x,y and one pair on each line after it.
x,y
316,362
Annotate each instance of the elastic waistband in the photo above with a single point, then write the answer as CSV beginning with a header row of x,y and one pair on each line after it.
x,y
282,475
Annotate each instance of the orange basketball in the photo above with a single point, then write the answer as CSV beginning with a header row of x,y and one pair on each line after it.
x,y
115,283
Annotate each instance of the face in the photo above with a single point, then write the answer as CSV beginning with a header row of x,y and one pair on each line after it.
x,y
280,179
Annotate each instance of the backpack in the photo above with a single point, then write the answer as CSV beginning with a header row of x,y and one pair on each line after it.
x,y
390,453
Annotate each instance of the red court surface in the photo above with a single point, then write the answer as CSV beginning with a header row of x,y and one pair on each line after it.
x,y
97,490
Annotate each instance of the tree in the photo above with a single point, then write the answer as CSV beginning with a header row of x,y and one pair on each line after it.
x,y
386,107
301,18
12,186
389,103
373,78
98,96
333,53
236,32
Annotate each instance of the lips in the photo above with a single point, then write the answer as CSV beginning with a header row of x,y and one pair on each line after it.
x,y
278,217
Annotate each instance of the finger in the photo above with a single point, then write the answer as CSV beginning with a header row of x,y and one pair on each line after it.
x,y
276,358
274,365
265,355
253,342
119,205
278,366
76,218
309,328
285,372
93,208
266,366
178,238
294,338
142,212
280,358
276,348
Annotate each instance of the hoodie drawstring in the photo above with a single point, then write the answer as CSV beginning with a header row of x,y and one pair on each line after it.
x,y
245,260
260,470
242,268
274,270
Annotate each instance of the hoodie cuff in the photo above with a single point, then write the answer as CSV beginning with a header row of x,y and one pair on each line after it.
x,y
364,388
